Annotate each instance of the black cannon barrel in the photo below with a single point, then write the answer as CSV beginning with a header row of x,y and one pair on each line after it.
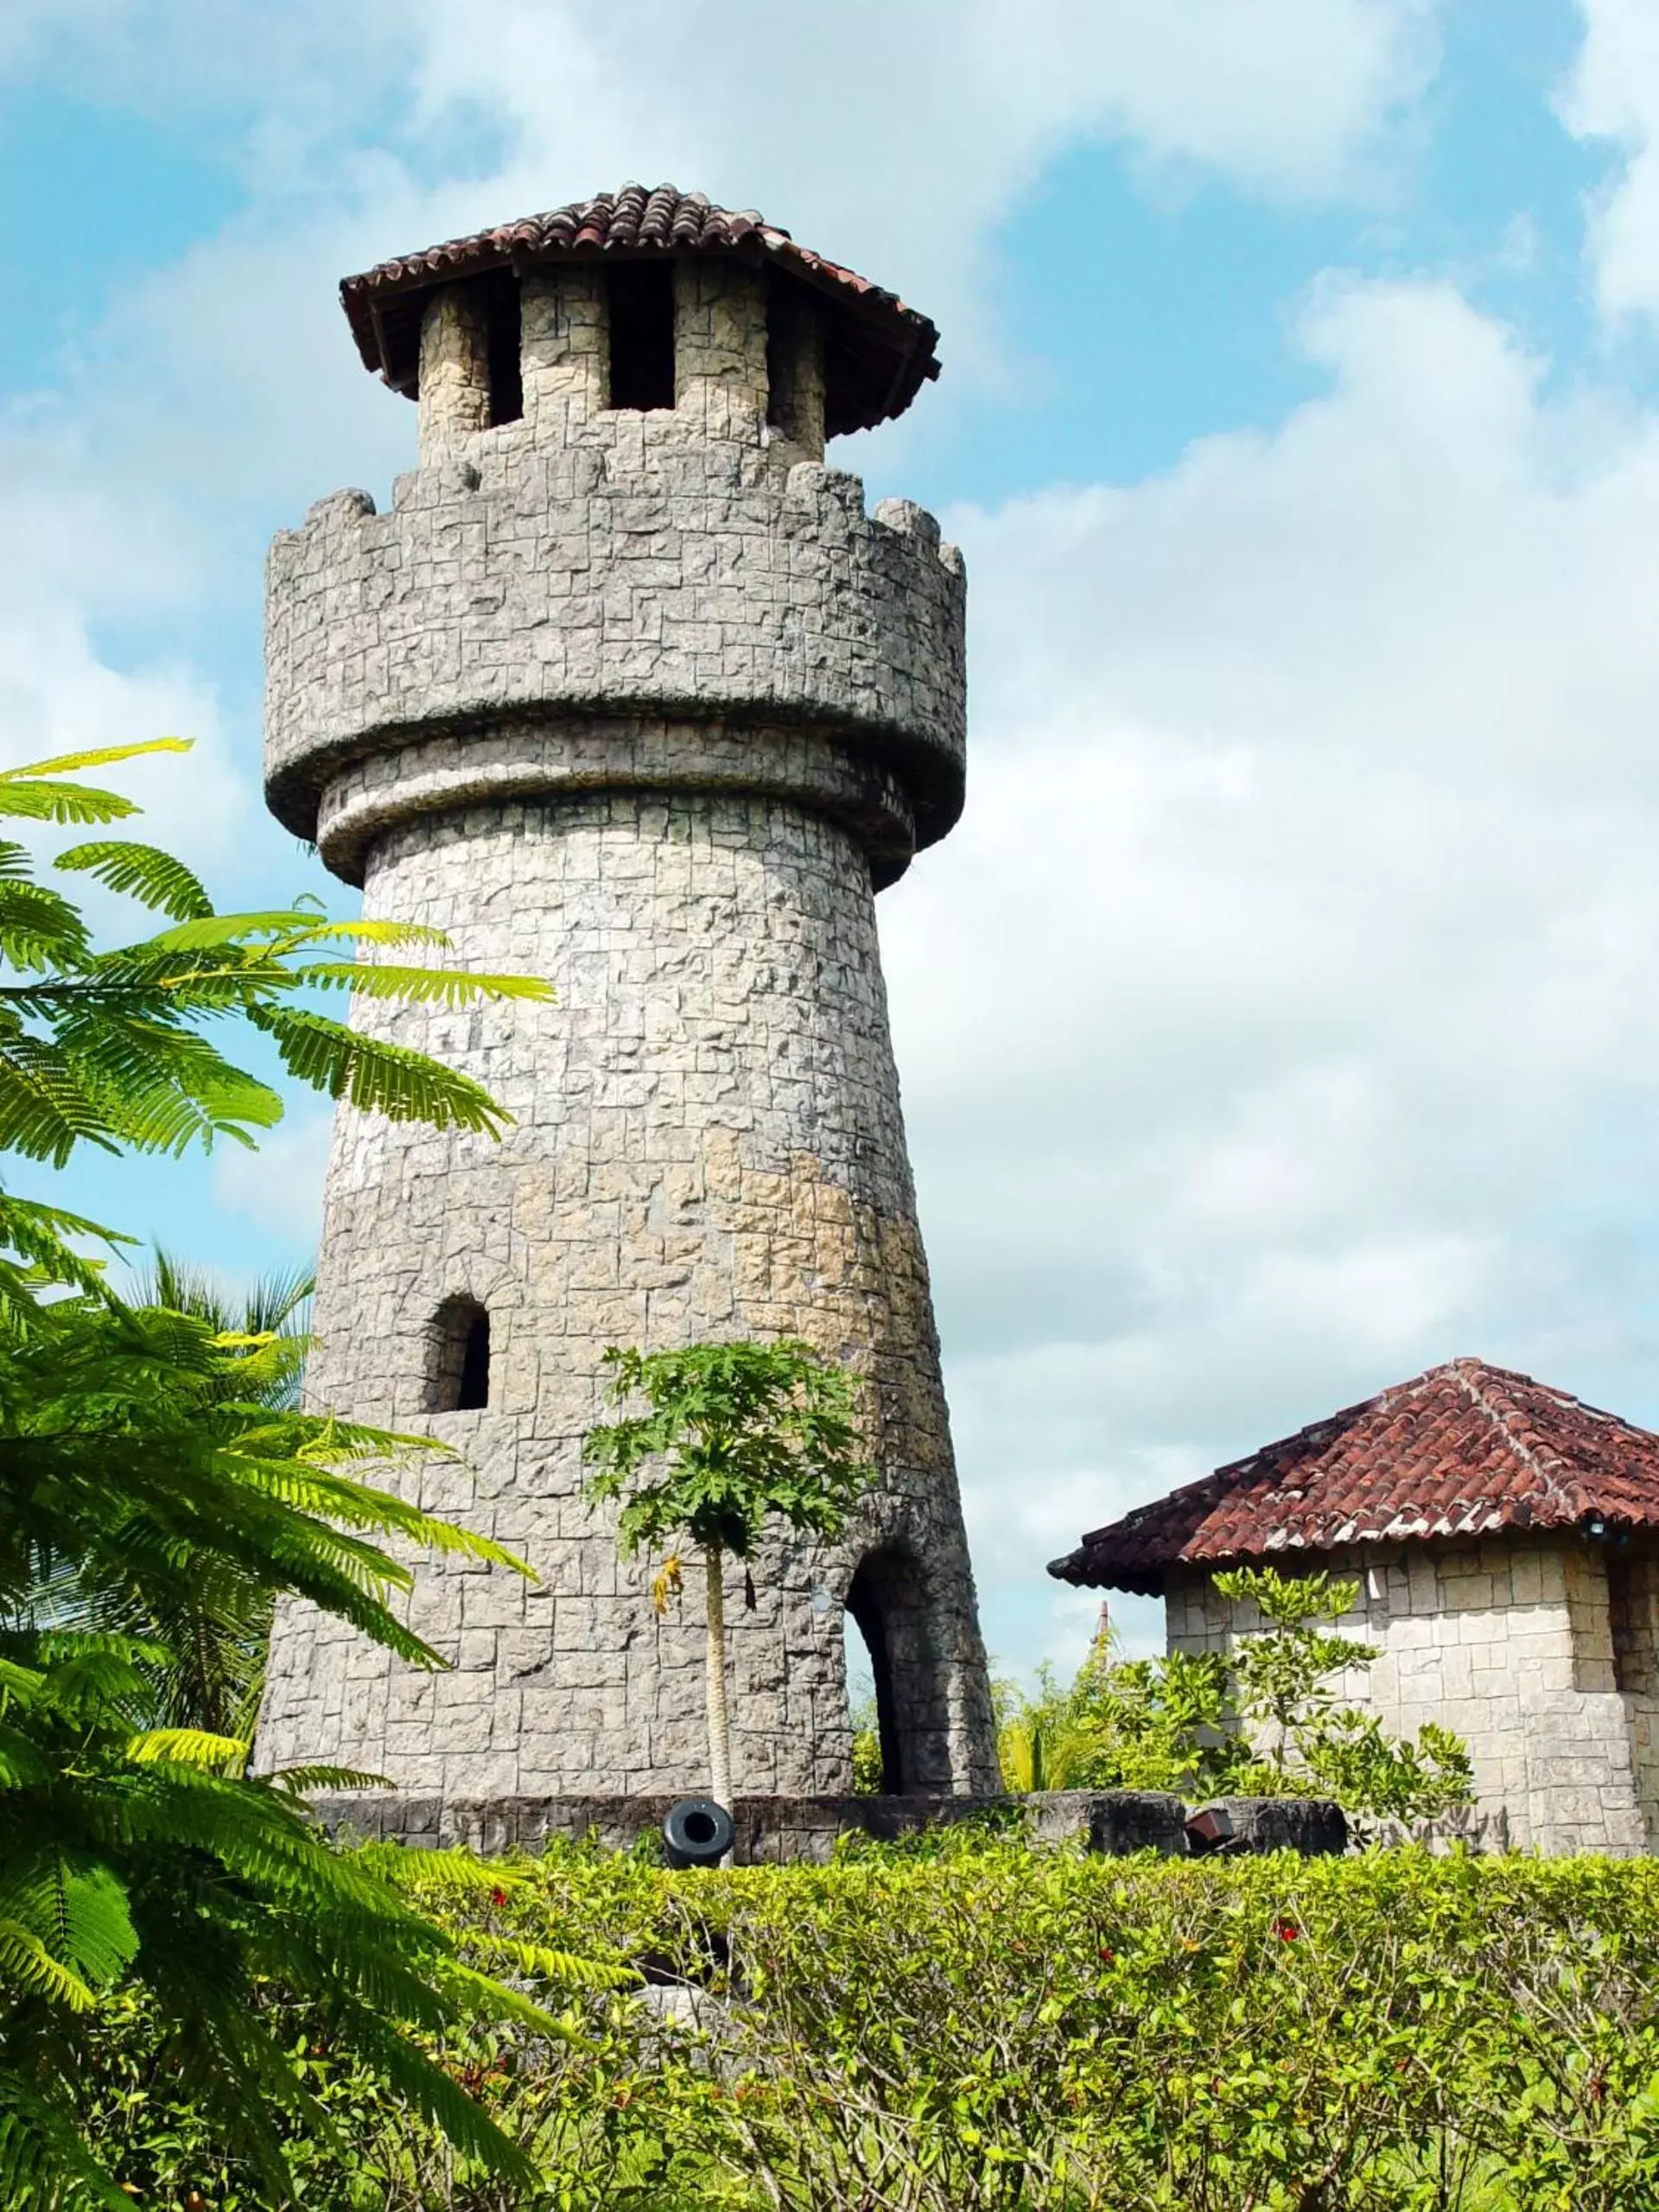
x,y
696,1832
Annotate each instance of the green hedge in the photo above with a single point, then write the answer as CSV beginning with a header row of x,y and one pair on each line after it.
x,y
982,2026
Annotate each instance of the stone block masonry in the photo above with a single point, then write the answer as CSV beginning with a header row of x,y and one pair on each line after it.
x,y
641,701
1509,1643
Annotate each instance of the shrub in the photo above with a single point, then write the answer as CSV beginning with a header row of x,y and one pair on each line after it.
x,y
1260,1720
990,2028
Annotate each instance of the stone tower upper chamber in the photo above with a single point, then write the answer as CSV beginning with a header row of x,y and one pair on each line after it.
x,y
628,691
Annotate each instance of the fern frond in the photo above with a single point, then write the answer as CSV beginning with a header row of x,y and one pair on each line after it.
x,y
45,2165
193,1747
106,756
300,1781
546,1964
62,802
45,1111
38,927
363,931
377,1078
478,1996
146,872
27,1961
372,979
216,932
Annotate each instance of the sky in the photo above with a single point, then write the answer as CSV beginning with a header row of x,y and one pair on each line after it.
x,y
1283,1017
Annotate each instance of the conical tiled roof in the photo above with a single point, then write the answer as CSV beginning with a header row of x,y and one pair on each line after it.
x,y
1462,1451
878,352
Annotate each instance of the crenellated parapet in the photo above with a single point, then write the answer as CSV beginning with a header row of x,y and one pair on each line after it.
x,y
575,593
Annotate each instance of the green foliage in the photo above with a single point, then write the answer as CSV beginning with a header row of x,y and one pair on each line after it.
x,y
740,1434
217,1637
992,2029
108,1048
870,1771
1262,1720
1281,1685
159,1487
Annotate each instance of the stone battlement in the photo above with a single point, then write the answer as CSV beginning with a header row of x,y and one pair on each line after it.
x,y
634,571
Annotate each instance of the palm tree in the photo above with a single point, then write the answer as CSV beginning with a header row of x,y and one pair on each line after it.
x,y
217,1644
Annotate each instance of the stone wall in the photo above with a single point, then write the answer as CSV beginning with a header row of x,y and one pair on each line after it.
x,y
708,1142
1508,1643
637,569
768,1830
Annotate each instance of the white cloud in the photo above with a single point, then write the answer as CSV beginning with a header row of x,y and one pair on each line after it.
x,y
1614,93
902,139
1281,1017
280,1187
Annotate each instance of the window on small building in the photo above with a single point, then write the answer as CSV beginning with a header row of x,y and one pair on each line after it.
x,y
458,1374
502,336
642,334
1624,1620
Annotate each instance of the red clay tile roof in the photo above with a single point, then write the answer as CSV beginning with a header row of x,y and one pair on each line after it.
x,y
878,352
1460,1451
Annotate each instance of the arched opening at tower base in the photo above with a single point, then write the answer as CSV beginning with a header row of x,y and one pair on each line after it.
x,y
887,1601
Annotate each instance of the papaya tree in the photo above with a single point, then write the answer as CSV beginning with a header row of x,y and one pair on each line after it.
x,y
735,1437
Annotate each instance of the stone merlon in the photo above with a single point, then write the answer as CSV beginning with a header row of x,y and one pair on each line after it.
x,y
531,585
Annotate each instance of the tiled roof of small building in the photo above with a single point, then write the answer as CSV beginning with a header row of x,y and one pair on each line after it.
x,y
1462,1451
878,351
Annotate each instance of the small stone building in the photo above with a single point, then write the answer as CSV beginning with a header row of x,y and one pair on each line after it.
x,y
1503,1537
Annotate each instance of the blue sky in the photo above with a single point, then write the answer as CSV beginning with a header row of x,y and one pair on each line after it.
x,y
1283,1016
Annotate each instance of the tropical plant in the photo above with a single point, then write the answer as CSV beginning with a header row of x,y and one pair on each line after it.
x,y
1260,1720
869,1768
992,2028
108,1048
737,1435
1284,1690
213,1676
149,1462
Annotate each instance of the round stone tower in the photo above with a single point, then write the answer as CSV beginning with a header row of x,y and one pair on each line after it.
x,y
629,692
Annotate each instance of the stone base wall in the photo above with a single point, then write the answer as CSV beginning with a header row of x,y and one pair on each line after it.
x,y
769,1830
1508,1643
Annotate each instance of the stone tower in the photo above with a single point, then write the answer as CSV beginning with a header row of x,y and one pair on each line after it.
x,y
629,692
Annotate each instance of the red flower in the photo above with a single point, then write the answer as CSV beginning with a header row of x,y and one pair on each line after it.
x,y
497,1896
1286,1930
1108,1953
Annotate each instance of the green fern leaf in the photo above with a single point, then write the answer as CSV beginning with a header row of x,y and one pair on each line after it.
x,y
375,1076
38,928
66,763
148,874
300,1781
372,979
193,1747
26,1959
